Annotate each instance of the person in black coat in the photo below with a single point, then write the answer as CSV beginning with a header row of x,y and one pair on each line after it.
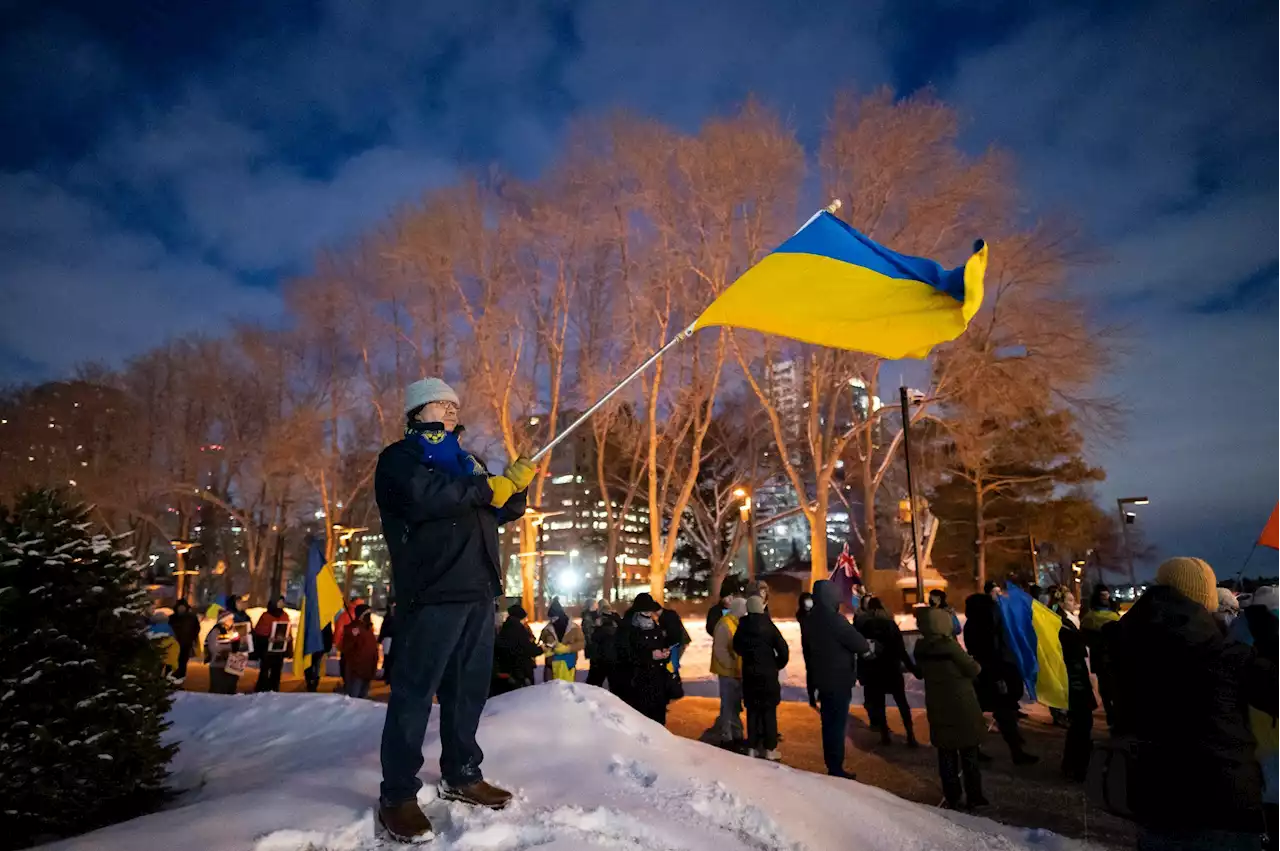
x,y
764,653
602,647
729,589
1180,695
999,683
831,648
642,676
186,631
1080,699
514,653
677,636
802,611
882,675
387,638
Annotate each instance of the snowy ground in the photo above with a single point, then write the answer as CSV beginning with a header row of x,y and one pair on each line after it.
x,y
299,772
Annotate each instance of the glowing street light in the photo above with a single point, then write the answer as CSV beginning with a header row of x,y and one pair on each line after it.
x,y
1128,518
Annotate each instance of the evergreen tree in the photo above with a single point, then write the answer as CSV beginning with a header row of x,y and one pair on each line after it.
x,y
82,693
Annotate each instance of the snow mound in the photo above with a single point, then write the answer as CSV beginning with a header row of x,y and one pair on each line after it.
x,y
300,772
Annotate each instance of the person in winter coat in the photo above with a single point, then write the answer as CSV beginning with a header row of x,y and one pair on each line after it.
x,y
729,589
677,636
386,638
590,617
602,648
641,676
562,640
1259,627
345,617
360,649
999,682
1102,611
764,653
440,511
802,610
831,647
221,641
727,668
514,652
938,600
956,726
1228,609
1080,700
186,631
162,638
882,675
270,664
1180,695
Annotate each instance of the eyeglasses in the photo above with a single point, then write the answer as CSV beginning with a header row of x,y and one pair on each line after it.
x,y
449,407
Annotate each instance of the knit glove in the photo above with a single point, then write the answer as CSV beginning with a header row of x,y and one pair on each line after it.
x,y
502,488
521,472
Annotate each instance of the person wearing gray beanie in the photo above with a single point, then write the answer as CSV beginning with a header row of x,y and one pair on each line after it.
x,y
441,510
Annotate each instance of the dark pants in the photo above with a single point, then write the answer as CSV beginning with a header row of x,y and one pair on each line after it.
x,y
1006,718
313,672
220,682
446,653
834,710
269,670
874,700
598,673
184,656
762,725
952,765
1079,743
357,688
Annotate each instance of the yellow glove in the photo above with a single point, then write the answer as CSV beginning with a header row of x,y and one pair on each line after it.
x,y
502,488
521,472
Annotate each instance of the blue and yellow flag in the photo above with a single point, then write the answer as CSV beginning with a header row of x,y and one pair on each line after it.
x,y
832,286
1031,630
321,602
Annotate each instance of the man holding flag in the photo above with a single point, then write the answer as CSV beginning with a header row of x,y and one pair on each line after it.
x,y
440,513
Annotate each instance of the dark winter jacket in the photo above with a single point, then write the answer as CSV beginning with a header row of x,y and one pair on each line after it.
x,y
999,683
441,531
714,614
515,652
185,626
1179,690
764,653
360,651
955,718
639,679
1075,654
883,672
603,644
830,643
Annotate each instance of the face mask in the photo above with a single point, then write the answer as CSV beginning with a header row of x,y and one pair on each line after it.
x,y
808,604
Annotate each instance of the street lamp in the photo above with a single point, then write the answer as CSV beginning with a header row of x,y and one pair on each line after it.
x,y
1126,519
345,534
744,511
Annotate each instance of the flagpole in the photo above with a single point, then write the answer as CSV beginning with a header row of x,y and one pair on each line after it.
x,y
606,397
911,494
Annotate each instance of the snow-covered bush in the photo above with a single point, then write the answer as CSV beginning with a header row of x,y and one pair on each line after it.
x,y
82,694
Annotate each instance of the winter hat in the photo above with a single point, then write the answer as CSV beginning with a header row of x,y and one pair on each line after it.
x,y
517,611
223,613
755,605
1227,601
644,602
738,607
427,390
1266,595
1193,578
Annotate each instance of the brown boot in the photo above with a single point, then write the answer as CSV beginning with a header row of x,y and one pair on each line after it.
x,y
405,822
478,794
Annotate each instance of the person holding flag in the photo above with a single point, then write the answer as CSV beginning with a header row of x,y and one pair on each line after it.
x,y
321,602
440,511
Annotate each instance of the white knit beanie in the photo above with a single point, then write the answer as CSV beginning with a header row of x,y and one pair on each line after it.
x,y
427,390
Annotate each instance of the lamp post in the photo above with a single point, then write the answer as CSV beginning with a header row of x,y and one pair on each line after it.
x,y
1127,518
744,511
345,534
181,548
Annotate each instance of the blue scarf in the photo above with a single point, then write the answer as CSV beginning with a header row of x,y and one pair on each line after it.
x,y
442,451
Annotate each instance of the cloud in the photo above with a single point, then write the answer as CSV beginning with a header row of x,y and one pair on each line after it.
x,y
77,287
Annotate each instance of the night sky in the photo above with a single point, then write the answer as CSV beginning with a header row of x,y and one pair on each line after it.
x,y
161,173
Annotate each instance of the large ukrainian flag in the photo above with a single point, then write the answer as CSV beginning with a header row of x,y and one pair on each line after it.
x,y
832,286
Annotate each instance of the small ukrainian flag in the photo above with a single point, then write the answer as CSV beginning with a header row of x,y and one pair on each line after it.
x,y
832,286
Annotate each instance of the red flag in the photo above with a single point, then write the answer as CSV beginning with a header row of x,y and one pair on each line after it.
x,y
1270,536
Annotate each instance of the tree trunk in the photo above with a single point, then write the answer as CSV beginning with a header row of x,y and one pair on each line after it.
x,y
818,536
528,564
980,536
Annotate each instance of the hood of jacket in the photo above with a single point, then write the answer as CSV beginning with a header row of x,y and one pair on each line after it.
x,y
934,623
826,595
